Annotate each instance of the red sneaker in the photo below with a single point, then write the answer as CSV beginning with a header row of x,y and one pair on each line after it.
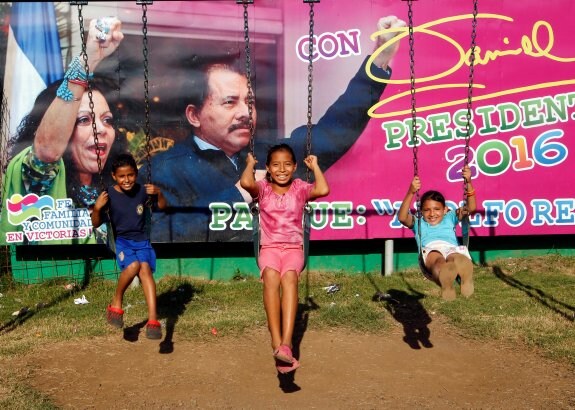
x,y
153,329
115,316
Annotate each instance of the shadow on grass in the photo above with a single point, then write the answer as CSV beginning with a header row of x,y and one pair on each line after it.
x,y
171,305
562,308
406,308
26,312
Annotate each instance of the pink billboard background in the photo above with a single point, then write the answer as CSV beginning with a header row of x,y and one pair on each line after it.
x,y
523,101
523,120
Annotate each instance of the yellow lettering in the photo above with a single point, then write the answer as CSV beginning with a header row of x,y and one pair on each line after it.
x,y
529,46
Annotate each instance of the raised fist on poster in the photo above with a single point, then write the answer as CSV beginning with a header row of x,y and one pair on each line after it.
x,y
104,37
387,28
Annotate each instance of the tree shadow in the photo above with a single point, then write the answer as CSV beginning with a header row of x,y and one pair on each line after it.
x,y
557,306
26,312
171,305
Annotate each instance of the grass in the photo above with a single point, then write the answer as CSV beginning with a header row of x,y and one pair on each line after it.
x,y
524,302
528,301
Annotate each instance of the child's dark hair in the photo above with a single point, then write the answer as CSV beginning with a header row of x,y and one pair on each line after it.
x,y
280,147
276,148
434,196
124,160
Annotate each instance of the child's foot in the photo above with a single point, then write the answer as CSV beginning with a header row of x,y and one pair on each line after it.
x,y
284,368
115,316
465,269
446,278
284,354
153,329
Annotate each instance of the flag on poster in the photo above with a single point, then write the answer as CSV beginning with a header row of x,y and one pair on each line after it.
x,y
33,56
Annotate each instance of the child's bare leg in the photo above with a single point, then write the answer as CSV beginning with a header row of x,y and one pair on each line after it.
x,y
289,302
434,262
465,269
447,276
272,305
149,288
124,281
444,273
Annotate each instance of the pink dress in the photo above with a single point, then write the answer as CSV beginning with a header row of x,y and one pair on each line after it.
x,y
281,216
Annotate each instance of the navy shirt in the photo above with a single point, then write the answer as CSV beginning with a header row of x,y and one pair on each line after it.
x,y
128,212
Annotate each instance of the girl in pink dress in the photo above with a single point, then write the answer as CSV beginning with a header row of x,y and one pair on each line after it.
x,y
281,259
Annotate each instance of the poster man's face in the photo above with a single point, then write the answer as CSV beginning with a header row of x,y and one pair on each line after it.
x,y
223,121
82,145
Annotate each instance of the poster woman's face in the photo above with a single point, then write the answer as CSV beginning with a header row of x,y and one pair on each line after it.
x,y
82,145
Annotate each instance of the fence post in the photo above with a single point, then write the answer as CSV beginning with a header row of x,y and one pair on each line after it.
x,y
388,258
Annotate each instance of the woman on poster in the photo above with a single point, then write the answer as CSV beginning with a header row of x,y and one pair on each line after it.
x,y
56,150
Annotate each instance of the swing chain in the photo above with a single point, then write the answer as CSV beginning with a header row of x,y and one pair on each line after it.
x,y
90,96
145,52
470,92
249,75
309,87
414,138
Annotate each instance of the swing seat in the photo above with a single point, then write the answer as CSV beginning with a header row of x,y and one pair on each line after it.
x,y
306,232
110,237
423,268
255,210
465,231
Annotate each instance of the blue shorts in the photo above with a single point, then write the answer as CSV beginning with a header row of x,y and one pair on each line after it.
x,y
281,258
128,251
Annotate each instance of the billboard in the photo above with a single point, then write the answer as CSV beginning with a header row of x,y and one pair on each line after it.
x,y
521,128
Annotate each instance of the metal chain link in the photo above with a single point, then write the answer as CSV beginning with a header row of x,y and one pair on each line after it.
x,y
414,138
90,96
145,52
249,76
309,88
470,92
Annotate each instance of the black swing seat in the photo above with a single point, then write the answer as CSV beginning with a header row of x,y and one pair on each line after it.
x,y
306,232
255,210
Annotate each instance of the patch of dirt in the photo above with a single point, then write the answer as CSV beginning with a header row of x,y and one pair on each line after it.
x,y
339,370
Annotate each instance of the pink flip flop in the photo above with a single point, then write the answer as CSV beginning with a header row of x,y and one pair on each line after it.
x,y
284,354
284,368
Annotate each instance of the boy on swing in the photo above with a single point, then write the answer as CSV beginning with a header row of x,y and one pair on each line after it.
x,y
126,206
444,258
